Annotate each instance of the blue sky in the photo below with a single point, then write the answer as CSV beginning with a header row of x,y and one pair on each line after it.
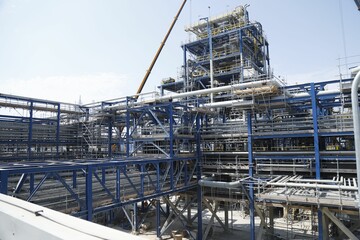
x,y
100,49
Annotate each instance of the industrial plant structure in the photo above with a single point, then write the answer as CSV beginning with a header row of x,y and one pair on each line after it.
x,y
227,135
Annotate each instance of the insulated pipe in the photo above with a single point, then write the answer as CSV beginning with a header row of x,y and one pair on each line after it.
x,y
283,165
218,89
309,185
203,91
318,94
315,180
232,103
355,110
217,184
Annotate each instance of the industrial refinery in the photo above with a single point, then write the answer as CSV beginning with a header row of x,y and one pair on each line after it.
x,y
227,141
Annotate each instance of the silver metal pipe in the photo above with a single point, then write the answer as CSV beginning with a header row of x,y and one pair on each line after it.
x,y
309,185
355,110
315,180
231,103
199,92
217,89
218,184
283,165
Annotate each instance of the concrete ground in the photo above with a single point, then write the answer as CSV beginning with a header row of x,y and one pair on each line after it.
x,y
239,227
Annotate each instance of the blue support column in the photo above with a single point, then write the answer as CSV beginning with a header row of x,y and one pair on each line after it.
x,y
167,207
4,182
171,150
110,153
30,129
103,175
127,128
117,184
136,227
89,206
74,179
158,190
316,129
241,56
186,80
251,174
198,176
58,132
32,182
158,222
142,178
316,148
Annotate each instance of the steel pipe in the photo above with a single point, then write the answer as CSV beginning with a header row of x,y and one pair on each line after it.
x,y
283,165
232,103
315,180
200,92
218,184
309,185
355,110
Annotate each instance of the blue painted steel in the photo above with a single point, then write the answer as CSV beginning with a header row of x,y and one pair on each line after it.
x,y
104,187
30,129
241,56
117,190
251,174
4,182
316,148
88,194
186,80
167,208
316,129
68,188
32,182
198,177
171,142
20,183
34,191
142,178
135,215
103,175
127,129
110,153
131,182
158,222
58,131
149,177
74,176
147,197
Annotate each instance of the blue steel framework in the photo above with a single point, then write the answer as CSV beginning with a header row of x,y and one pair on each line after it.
x,y
154,149
34,124
95,186
90,187
289,125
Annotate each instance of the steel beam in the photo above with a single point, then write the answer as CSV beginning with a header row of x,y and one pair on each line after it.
x,y
251,174
339,224
4,182
88,194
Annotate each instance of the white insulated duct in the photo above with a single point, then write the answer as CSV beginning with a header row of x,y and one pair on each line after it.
x,y
202,92
218,89
218,184
313,185
231,103
355,110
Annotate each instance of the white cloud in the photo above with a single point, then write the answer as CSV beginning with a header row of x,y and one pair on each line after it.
x,y
91,87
